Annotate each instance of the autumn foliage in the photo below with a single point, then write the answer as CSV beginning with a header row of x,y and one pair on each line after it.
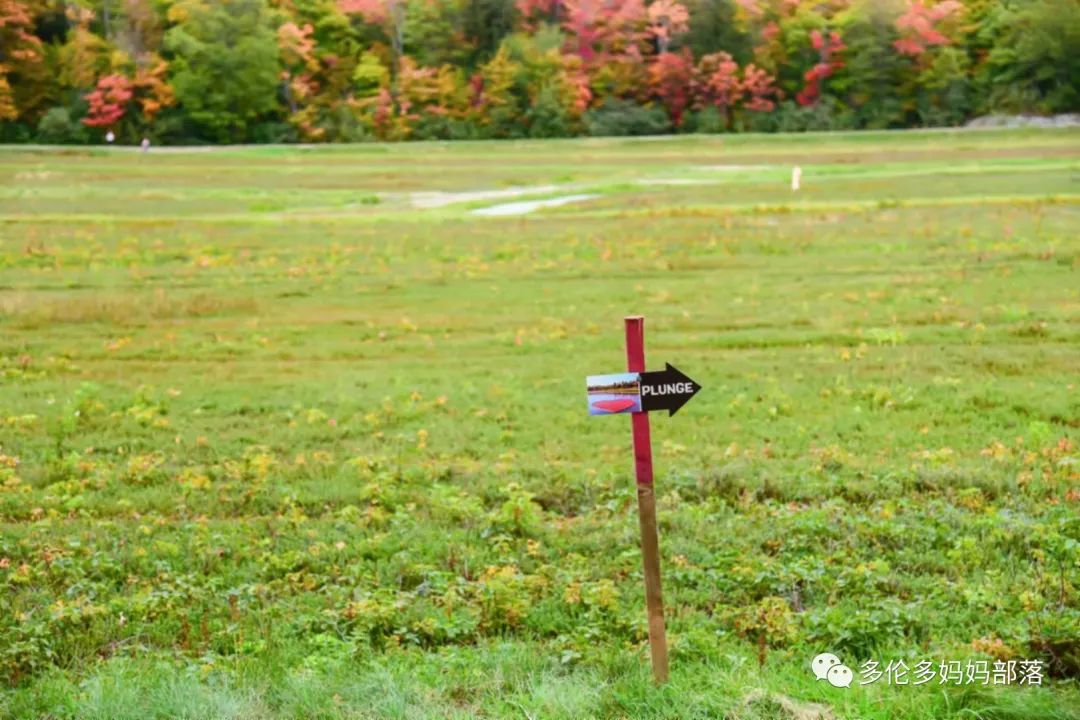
x,y
111,99
829,48
920,26
20,51
347,70
108,101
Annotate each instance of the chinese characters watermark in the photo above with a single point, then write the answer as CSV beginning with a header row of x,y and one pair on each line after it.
x,y
827,666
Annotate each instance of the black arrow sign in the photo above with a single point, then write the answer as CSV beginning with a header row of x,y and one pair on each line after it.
x,y
666,389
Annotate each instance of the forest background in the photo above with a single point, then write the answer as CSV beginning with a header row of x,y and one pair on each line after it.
x,y
255,71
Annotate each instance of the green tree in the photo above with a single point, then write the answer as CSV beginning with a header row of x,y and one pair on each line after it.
x,y
225,67
434,33
1034,63
713,29
59,128
486,23
873,75
547,116
944,95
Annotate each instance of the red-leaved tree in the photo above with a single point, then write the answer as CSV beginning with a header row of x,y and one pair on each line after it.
x,y
760,88
829,48
670,76
919,26
718,83
600,28
108,101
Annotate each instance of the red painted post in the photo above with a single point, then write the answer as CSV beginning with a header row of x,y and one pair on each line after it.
x,y
650,545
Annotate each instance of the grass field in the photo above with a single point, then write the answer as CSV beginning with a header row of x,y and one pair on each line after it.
x,y
277,443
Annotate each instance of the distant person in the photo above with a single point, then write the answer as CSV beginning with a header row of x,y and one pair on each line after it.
x,y
796,178
145,144
109,137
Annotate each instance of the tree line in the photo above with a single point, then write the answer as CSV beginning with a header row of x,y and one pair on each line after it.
x,y
222,71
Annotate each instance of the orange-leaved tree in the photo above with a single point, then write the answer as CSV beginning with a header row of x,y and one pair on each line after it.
x,y
20,54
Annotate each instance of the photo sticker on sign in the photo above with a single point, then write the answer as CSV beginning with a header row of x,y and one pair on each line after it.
x,y
617,393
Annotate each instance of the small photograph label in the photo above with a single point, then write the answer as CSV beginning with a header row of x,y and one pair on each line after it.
x,y
617,393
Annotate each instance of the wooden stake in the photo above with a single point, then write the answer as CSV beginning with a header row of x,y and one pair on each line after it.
x,y
650,545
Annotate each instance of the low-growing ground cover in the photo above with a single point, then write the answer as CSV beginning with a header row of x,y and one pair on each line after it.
x,y
276,442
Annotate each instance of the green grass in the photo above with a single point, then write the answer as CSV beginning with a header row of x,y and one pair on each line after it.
x,y
275,443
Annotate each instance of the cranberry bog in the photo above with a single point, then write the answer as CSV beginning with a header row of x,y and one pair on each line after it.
x,y
293,432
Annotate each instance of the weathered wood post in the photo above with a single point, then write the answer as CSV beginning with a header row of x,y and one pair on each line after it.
x,y
650,545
